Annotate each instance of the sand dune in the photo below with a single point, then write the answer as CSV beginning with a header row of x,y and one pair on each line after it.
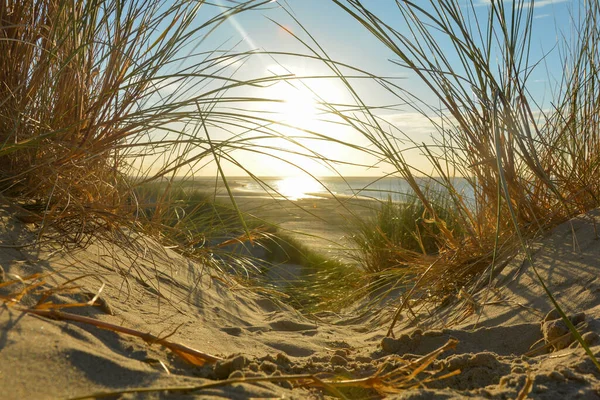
x,y
152,289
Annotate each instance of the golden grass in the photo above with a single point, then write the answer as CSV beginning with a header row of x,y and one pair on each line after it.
x,y
539,166
190,355
86,111
83,121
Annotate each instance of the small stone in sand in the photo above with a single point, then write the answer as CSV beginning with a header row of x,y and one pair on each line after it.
x,y
224,368
591,338
556,332
232,330
268,367
236,374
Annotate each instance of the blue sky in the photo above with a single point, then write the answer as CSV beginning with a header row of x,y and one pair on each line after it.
x,y
346,41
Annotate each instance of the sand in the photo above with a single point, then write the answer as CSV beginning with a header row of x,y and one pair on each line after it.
x,y
152,289
322,224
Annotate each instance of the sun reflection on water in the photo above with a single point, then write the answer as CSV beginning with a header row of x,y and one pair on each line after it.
x,y
299,187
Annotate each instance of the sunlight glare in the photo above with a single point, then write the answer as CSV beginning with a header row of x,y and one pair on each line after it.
x,y
297,108
299,187
301,112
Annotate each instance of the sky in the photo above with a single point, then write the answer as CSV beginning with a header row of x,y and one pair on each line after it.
x,y
344,40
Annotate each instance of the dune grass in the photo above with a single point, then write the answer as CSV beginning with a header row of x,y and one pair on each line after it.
x,y
100,99
402,224
320,283
185,214
529,168
82,94
538,166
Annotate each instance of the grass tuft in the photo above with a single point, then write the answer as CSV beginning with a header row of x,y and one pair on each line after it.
x,y
320,283
401,231
528,168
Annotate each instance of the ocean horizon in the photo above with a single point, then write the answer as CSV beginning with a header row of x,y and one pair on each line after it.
x,y
306,187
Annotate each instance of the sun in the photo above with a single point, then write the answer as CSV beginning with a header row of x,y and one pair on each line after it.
x,y
296,106
299,108
308,135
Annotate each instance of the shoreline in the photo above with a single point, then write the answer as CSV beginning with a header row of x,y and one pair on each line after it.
x,y
321,224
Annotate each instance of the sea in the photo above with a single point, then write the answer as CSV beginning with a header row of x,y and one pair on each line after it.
x,y
306,187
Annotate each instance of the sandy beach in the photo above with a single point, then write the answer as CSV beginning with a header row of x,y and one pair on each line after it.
x,y
291,200
245,335
322,224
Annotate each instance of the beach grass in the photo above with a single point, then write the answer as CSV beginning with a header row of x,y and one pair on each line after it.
x,y
97,105
103,126
536,165
400,228
529,168
80,95
320,282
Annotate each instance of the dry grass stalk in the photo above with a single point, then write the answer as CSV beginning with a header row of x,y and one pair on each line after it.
x,y
404,377
192,356
30,283
34,285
